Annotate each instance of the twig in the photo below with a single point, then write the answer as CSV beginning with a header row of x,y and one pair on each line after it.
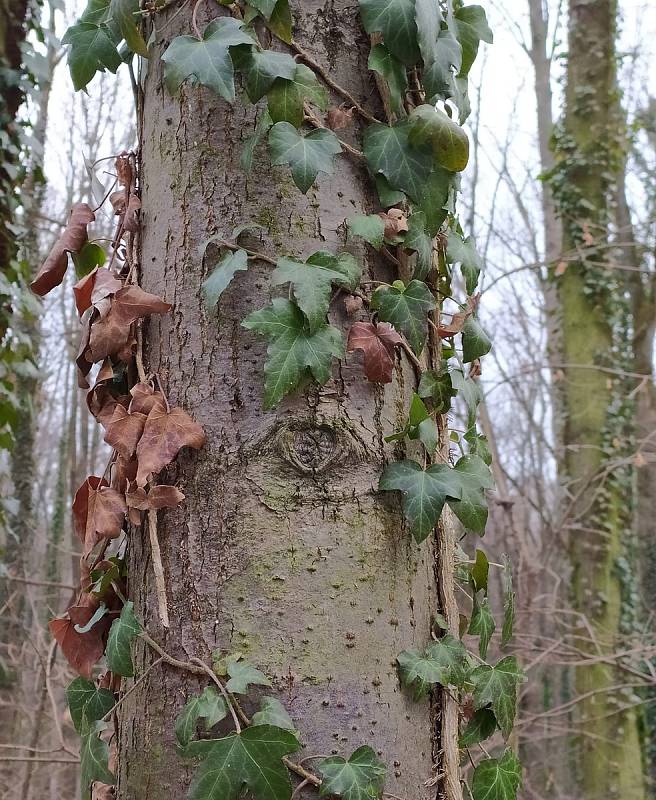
x,y
222,689
313,119
194,20
250,253
132,688
158,569
300,786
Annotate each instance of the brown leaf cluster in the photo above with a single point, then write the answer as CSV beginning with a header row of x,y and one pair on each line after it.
x,y
377,343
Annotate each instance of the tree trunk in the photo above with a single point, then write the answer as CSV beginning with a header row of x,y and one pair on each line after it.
x,y
596,513
283,550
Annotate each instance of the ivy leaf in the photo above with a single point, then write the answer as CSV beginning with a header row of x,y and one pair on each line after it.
x,y
209,706
261,68
463,251
406,307
395,19
393,71
86,700
313,280
424,492
440,50
482,624
378,344
251,759
293,350
436,199
214,286
475,342
388,151
272,712
94,756
422,425
471,507
448,140
497,778
206,61
121,634
468,390
480,571
497,687
444,662
479,728
418,240
362,777
478,444
93,48
124,13
242,675
508,604
281,21
386,194
370,227
264,122
265,7
306,155
437,387
286,97
469,24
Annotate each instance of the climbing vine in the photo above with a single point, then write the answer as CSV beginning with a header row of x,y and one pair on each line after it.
x,y
421,55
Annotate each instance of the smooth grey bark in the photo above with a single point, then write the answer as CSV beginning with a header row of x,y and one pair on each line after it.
x,y
284,550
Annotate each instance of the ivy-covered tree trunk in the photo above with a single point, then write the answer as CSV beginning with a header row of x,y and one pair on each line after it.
x,y
596,503
283,550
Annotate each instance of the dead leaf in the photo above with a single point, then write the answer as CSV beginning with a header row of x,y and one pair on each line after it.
x,y
124,431
95,286
102,791
119,201
82,650
163,436
131,220
124,473
157,497
639,460
339,118
458,319
124,171
353,304
395,222
101,403
377,343
145,398
81,360
588,238
72,240
98,512
561,266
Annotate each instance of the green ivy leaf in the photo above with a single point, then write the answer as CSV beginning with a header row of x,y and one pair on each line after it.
x,y
440,51
306,155
468,390
444,662
497,779
469,24
90,256
436,199
272,712
94,756
242,675
406,307
508,604
437,387
214,286
475,342
471,507
312,281
463,251
93,47
370,227
480,571
497,687
388,151
417,239
447,139
206,61
125,14
395,19
293,350
281,21
386,194
422,426
261,68
286,97
479,728
393,71
86,700
209,706
424,492
265,7
121,634
482,624
362,777
478,444
264,122
249,760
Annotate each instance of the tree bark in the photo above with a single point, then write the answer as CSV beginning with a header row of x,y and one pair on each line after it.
x,y
283,550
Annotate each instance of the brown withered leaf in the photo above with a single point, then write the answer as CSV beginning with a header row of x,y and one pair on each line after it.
x,y
101,403
353,304
95,287
98,512
71,240
339,118
111,333
102,791
157,497
124,473
395,222
377,343
81,650
119,201
124,431
458,319
131,220
145,398
165,433
81,360
124,171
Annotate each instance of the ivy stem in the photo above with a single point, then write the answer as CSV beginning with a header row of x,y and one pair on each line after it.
x,y
249,253
194,20
211,674
313,119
